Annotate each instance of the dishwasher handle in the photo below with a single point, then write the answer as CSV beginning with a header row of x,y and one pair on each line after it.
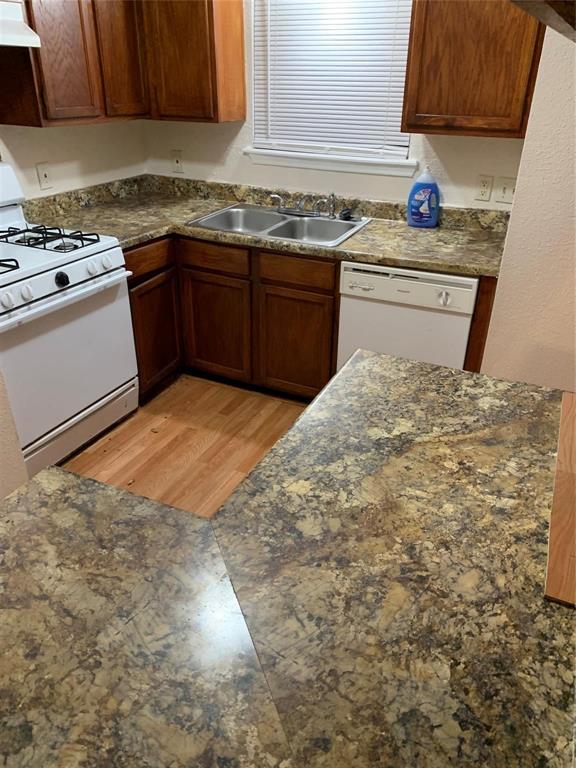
x,y
361,287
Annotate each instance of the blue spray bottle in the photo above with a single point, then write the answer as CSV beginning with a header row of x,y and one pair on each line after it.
x,y
423,201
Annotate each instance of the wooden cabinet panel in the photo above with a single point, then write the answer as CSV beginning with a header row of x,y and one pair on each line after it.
x,y
196,59
471,68
148,258
156,322
69,62
181,63
216,317
220,258
122,57
294,339
480,324
301,272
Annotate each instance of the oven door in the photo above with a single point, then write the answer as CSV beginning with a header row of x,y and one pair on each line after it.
x,y
65,353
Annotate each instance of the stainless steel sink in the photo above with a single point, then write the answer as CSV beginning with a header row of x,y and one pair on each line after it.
x,y
242,219
268,223
314,230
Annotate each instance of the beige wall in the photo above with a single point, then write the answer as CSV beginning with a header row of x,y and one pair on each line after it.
x,y
79,157
12,471
533,329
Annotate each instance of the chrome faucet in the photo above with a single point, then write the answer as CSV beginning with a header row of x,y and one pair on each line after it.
x,y
320,203
302,201
279,200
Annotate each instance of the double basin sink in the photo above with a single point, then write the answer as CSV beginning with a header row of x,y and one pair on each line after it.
x,y
266,222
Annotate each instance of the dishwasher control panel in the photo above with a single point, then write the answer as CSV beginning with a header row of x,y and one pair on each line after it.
x,y
448,293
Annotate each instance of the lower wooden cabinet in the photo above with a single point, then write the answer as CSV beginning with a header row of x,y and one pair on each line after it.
x,y
216,319
258,317
294,339
156,323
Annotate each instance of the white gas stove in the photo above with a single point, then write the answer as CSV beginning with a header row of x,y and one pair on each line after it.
x,y
66,344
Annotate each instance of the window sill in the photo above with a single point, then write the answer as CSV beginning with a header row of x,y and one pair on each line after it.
x,y
343,163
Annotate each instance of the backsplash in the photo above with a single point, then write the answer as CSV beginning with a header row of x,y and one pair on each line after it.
x,y
167,186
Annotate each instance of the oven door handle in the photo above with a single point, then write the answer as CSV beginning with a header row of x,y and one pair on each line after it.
x,y
24,315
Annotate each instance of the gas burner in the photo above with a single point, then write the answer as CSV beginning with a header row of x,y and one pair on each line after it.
x,y
65,246
7,265
28,240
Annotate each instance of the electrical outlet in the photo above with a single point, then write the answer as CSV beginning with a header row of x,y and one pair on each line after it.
x,y
505,189
44,175
484,188
177,163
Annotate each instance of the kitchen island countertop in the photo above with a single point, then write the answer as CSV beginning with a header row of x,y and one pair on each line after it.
x,y
370,597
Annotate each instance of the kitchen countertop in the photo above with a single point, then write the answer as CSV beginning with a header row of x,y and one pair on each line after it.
x,y
388,556
122,643
136,220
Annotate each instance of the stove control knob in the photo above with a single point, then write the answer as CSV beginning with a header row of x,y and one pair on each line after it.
x,y
7,301
27,293
106,262
92,268
62,279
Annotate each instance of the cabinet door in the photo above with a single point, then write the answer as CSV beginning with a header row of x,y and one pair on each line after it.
x,y
121,54
471,68
69,62
216,323
155,319
179,46
294,339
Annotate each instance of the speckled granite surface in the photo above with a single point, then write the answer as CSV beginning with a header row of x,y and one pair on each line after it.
x,y
122,644
137,212
388,556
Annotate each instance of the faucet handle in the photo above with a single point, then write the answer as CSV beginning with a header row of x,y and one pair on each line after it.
x,y
279,200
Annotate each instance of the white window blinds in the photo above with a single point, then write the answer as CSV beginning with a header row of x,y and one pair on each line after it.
x,y
329,76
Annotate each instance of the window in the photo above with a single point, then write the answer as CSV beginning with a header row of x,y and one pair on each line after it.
x,y
329,84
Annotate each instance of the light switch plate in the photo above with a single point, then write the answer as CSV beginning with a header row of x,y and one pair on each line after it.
x,y
177,163
484,188
505,189
44,175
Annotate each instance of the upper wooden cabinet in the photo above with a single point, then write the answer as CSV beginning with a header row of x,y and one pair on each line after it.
x,y
72,86
471,68
61,81
122,56
196,62
106,59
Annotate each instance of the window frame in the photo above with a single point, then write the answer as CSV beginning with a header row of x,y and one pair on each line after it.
x,y
369,163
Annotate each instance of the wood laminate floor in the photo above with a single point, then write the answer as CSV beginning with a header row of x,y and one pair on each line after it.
x,y
191,445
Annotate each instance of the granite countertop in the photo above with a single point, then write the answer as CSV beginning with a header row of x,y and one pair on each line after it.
x,y
388,559
136,220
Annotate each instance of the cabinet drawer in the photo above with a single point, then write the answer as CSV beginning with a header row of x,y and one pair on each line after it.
x,y
293,270
149,258
219,258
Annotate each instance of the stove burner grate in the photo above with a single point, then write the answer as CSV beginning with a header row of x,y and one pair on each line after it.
x,y
48,238
7,265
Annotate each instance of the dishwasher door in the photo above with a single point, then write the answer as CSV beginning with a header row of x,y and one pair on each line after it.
x,y
406,313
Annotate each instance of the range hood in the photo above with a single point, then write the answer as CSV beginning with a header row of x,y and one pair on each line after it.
x,y
13,28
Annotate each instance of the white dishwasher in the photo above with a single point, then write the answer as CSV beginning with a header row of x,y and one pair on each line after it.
x,y
407,313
